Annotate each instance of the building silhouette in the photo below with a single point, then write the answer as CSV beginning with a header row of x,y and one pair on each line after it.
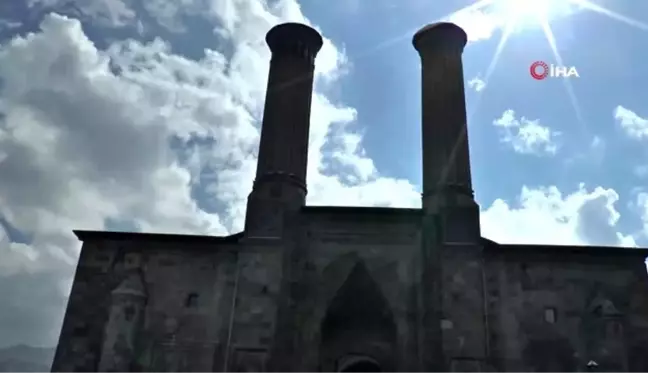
x,y
307,288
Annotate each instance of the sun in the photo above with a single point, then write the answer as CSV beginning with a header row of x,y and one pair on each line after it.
x,y
512,15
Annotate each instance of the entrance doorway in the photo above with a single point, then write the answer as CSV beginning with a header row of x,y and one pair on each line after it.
x,y
362,367
358,332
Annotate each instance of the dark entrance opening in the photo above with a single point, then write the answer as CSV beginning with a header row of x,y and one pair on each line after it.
x,y
361,366
358,333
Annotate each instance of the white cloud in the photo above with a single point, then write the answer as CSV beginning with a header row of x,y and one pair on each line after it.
x,y
478,24
477,84
526,136
641,204
633,125
16,257
115,13
80,144
545,215
7,25
641,171
592,156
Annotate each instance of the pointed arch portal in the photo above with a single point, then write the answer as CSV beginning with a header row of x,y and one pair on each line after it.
x,y
364,366
358,332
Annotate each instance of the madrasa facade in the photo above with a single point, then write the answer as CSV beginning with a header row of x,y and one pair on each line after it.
x,y
316,288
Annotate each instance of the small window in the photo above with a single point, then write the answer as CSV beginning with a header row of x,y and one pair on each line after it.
x,y
192,300
525,277
81,331
129,313
550,315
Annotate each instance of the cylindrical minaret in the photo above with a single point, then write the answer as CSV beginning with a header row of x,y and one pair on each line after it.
x,y
280,183
451,237
446,161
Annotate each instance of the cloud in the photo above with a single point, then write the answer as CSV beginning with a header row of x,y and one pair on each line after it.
x,y
7,25
526,136
641,204
133,133
478,24
633,125
477,84
80,145
592,156
113,13
141,135
641,171
545,215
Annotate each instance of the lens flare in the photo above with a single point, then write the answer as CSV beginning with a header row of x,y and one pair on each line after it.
x,y
525,12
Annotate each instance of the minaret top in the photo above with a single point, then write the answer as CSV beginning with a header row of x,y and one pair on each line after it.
x,y
295,39
439,35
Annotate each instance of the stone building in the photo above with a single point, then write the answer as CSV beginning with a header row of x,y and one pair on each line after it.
x,y
354,289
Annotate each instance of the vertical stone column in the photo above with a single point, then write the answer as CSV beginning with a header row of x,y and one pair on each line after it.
x,y
452,300
447,184
280,183
446,159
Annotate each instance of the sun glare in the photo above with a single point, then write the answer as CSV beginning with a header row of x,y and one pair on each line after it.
x,y
513,15
524,12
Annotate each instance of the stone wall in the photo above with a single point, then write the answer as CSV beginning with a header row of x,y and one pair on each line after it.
x,y
188,291
355,257
348,281
462,321
557,308
258,290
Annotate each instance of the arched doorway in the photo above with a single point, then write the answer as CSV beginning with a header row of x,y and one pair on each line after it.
x,y
358,332
363,366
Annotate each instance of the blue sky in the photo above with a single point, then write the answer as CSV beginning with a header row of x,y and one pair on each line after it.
x,y
144,115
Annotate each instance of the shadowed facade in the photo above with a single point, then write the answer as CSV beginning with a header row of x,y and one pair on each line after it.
x,y
354,289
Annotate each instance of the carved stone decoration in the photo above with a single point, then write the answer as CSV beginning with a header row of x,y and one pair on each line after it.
x,y
603,330
126,312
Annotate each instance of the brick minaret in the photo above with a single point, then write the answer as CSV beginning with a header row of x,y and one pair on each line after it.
x,y
447,183
451,240
280,183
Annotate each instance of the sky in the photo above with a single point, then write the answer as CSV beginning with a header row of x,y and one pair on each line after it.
x,y
143,115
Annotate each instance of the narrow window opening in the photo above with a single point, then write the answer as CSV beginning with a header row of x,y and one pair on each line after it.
x,y
598,311
550,315
192,300
616,328
129,312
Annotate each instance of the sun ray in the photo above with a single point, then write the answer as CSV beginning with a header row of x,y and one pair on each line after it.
x,y
506,33
507,29
478,5
589,5
551,39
